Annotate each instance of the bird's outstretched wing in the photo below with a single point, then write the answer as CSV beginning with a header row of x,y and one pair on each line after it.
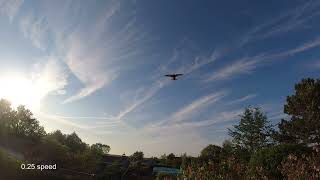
x,y
169,75
178,74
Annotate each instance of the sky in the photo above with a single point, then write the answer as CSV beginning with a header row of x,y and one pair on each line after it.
x,y
97,67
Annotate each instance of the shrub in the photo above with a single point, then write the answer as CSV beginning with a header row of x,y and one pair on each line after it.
x,y
265,163
301,167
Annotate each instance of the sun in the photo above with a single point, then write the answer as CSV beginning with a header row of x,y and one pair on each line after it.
x,y
20,91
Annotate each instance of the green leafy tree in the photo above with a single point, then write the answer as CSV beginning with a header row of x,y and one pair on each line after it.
x,y
100,148
58,136
25,125
253,131
6,117
75,143
53,151
227,149
211,152
137,156
303,107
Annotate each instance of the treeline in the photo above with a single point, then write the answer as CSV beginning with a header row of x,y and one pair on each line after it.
x,y
259,150
23,139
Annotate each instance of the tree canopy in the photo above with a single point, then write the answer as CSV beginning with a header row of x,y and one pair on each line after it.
x,y
211,152
303,108
253,131
137,156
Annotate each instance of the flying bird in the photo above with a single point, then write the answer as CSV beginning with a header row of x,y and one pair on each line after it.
x,y
173,76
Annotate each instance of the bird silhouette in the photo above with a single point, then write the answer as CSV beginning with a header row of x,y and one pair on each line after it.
x,y
173,76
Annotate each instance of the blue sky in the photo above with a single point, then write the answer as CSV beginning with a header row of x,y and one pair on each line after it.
x,y
98,66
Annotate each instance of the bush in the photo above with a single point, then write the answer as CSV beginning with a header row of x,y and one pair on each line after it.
x,y
301,167
266,162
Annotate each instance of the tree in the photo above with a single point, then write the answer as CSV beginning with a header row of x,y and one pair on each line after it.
x,y
100,148
227,149
211,152
58,136
303,107
52,150
137,156
6,117
171,156
253,131
75,143
27,126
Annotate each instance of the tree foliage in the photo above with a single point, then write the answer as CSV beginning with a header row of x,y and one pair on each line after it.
x,y
100,148
266,162
211,152
253,131
303,107
20,131
137,156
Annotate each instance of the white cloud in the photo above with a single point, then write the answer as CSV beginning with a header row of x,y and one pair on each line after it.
x,y
248,64
10,7
197,62
304,47
187,58
185,136
88,68
97,51
243,66
220,117
96,56
196,106
290,20
50,77
242,99
74,122
147,95
36,29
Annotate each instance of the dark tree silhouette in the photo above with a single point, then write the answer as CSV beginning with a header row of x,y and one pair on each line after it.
x,y
303,107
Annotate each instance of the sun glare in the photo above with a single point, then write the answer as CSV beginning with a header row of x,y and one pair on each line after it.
x,y
20,91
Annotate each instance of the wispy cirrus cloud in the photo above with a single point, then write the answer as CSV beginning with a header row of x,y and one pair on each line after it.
x,y
196,106
147,95
36,29
221,117
50,76
186,58
290,20
192,62
243,66
247,65
177,134
94,58
242,99
88,68
97,51
10,7
301,48
74,121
